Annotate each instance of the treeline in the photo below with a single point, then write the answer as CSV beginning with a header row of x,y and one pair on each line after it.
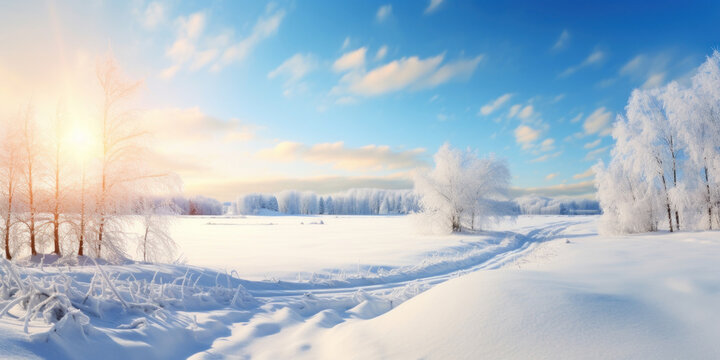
x,y
66,186
538,205
665,165
351,202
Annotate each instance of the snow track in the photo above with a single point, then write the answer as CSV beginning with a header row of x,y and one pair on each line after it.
x,y
127,310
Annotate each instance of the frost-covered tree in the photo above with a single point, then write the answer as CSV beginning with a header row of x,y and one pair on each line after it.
x,y
29,186
463,188
665,163
9,177
155,242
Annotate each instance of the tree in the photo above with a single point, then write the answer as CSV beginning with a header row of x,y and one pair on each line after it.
x,y
9,172
121,145
31,161
462,188
155,242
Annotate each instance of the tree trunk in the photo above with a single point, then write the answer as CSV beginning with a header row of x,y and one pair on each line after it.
x,y
667,203
709,199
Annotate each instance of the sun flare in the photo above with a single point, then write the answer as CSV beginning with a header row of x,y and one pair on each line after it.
x,y
81,143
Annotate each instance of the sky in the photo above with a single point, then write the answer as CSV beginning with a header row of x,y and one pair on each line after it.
x,y
250,96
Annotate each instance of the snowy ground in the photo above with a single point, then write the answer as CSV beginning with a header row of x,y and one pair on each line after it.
x,y
371,287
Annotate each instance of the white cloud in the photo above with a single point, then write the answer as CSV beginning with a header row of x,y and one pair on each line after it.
x,y
153,15
381,53
526,135
595,57
433,6
634,65
488,108
408,72
598,122
595,154
654,80
592,144
526,112
350,60
345,43
583,175
550,176
383,13
562,40
585,188
192,49
263,29
514,110
295,67
547,144
370,157
577,118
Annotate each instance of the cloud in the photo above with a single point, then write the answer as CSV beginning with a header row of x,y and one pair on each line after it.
x,y
408,72
550,176
514,110
526,135
595,154
345,43
595,57
433,6
153,15
654,80
598,122
381,53
546,157
263,29
586,188
562,40
583,175
526,112
577,118
295,68
634,65
350,60
192,49
369,157
488,108
383,13
230,188
547,144
592,144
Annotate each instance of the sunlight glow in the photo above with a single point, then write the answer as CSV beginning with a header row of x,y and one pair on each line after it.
x,y
81,143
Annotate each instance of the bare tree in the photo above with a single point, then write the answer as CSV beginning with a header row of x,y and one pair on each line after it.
x,y
155,242
31,152
9,172
120,140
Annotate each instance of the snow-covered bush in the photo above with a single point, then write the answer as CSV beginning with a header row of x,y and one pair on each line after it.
x,y
463,191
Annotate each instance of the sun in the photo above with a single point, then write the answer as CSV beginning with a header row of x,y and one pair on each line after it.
x,y
81,142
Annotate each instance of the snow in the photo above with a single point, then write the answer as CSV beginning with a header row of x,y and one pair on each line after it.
x,y
538,287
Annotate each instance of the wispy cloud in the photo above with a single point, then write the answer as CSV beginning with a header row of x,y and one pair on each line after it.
x,y
370,157
409,72
592,144
294,70
350,60
153,15
584,175
586,188
490,107
433,6
551,176
595,154
599,122
562,40
383,13
381,53
194,50
594,58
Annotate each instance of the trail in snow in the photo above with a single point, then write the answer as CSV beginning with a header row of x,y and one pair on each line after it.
x,y
194,310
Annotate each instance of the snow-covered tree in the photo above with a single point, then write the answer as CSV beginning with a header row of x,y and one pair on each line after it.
x,y
463,188
9,177
155,242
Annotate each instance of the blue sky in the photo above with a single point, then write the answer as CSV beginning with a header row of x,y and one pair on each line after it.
x,y
326,95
